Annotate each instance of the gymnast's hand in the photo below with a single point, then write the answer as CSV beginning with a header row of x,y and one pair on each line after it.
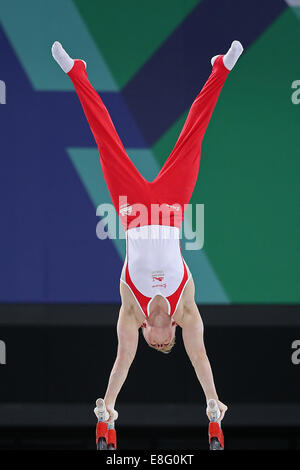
x,y
222,408
113,414
105,411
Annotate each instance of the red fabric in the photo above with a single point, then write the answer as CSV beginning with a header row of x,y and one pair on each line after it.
x,y
112,437
177,178
101,430
142,299
214,430
173,299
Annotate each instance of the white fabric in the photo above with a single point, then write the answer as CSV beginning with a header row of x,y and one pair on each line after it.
x,y
154,259
62,57
213,410
231,57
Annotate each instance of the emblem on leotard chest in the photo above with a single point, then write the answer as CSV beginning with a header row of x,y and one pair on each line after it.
x,y
158,279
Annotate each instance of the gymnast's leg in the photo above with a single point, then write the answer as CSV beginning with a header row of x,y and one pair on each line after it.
x,y
121,176
178,176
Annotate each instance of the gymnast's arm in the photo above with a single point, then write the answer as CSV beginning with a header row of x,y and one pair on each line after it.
x,y
128,337
192,334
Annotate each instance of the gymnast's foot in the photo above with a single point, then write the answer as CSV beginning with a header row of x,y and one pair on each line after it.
x,y
62,57
231,57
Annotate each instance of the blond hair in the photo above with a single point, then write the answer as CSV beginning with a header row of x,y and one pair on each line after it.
x,y
166,349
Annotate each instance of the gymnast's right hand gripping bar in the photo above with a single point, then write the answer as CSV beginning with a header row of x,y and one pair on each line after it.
x,y
215,433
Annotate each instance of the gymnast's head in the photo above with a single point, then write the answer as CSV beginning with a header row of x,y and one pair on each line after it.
x,y
159,328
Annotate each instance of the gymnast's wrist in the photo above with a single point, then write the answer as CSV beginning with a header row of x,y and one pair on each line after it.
x,y
110,401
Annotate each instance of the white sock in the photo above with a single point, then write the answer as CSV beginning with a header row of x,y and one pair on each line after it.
x,y
62,57
231,57
212,61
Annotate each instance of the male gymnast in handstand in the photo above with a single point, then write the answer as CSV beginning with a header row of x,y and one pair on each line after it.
x,y
156,286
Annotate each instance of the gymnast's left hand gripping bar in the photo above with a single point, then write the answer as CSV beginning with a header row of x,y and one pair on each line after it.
x,y
215,433
106,437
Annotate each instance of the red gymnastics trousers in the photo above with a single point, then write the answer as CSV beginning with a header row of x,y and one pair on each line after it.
x,y
174,185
